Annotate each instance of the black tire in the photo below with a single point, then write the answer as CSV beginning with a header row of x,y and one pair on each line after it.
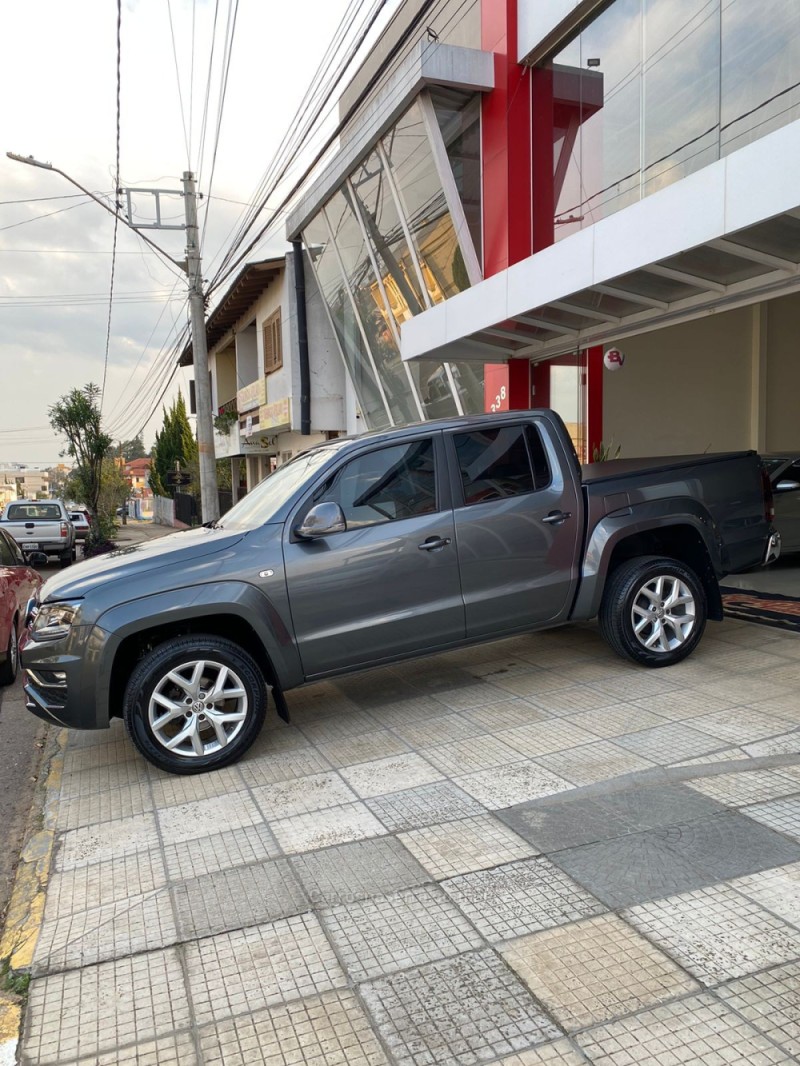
x,y
184,657
632,591
10,668
65,559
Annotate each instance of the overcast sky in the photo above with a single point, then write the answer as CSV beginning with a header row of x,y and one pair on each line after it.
x,y
58,81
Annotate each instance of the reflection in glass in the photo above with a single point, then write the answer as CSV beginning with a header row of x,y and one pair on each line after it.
x,y
414,172
459,117
352,249
323,260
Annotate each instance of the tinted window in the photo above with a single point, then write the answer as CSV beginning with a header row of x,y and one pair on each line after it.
x,y
30,512
385,485
495,463
7,557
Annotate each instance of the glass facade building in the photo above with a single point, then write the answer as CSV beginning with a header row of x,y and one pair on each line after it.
x,y
401,234
650,91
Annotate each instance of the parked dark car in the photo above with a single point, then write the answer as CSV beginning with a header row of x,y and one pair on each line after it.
x,y
784,476
18,582
379,548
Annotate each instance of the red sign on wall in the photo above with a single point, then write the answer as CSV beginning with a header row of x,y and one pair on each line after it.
x,y
495,387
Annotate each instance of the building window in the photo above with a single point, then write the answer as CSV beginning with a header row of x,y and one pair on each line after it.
x,y
273,347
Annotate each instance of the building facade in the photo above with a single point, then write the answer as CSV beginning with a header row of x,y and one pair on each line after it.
x,y
522,185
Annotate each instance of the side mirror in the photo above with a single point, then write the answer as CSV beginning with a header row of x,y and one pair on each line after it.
x,y
322,520
787,486
36,559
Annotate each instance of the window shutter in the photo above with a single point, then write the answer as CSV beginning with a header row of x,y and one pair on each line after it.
x,y
273,351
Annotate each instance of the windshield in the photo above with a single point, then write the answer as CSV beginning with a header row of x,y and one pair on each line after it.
x,y
264,502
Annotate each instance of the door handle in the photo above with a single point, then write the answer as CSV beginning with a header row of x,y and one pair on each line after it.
x,y
433,543
555,518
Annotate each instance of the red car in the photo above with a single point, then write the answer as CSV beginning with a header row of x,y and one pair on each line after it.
x,y
18,582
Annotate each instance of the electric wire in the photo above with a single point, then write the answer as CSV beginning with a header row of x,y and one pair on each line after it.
x,y
48,214
178,80
233,11
116,213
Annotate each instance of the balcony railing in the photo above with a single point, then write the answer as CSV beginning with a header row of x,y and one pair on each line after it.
x,y
228,408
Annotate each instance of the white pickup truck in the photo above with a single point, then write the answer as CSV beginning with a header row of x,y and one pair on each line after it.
x,y
41,526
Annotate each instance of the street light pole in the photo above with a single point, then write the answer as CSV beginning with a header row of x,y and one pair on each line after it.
x,y
209,497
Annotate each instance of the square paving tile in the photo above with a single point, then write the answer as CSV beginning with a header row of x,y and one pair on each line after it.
x,y
191,820
363,748
687,1033
441,801
249,969
106,840
390,775
778,890
507,714
469,844
220,851
669,743
577,699
631,869
595,970
559,1053
110,931
541,738
651,806
169,790
102,883
594,762
785,744
326,1030
104,778
388,933
122,802
99,1008
459,1011
564,821
442,730
740,725
716,934
745,787
357,871
173,1049
770,1002
476,693
233,899
288,798
729,845
506,786
323,829
616,720
467,756
521,897
339,727
282,766
783,815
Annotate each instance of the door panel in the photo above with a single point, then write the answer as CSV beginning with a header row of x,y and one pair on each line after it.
x,y
517,569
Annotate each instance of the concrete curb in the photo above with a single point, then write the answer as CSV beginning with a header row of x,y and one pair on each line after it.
x,y
26,905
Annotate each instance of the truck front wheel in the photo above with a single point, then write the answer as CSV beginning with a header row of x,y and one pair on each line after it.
x,y
194,704
653,611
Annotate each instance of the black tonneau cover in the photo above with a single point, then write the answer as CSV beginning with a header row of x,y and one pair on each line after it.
x,y
616,468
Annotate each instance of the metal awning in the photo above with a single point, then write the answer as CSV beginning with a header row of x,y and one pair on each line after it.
x,y
570,296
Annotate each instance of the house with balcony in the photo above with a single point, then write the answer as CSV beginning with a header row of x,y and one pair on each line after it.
x,y
262,416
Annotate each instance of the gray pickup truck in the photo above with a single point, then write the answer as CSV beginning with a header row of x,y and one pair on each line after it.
x,y
379,548
41,526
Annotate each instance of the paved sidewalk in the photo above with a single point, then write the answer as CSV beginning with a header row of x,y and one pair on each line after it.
x,y
524,853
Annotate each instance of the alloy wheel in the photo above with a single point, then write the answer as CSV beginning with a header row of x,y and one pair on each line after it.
x,y
198,708
663,613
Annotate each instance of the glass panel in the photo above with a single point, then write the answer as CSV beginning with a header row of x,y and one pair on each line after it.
x,y
459,118
434,388
760,64
326,267
494,464
667,289
541,468
715,265
385,485
415,174
350,244
777,236
681,89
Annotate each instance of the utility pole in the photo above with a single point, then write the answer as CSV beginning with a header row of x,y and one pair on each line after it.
x,y
209,498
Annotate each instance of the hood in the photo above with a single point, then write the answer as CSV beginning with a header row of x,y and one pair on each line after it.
x,y
176,548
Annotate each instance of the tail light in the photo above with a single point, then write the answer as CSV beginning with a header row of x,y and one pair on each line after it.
x,y
769,503
64,530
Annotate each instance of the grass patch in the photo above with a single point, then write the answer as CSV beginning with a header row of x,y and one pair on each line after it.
x,y
15,981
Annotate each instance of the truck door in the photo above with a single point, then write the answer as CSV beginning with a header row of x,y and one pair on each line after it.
x,y
518,525
389,584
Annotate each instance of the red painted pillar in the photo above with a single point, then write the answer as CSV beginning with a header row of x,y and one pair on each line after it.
x,y
594,399
506,134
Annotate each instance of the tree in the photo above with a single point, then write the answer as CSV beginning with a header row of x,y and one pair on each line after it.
x,y
175,443
133,449
77,417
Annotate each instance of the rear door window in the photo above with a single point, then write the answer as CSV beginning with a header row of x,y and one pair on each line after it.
x,y
496,463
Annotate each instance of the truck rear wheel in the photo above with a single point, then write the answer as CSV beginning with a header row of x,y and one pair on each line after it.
x,y
8,670
654,611
194,704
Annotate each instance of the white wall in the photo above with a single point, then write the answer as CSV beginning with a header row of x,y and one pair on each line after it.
x,y
783,374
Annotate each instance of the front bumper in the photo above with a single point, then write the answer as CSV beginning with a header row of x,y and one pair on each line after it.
x,y
773,548
63,680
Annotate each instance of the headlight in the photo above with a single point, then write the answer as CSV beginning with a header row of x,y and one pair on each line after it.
x,y
53,620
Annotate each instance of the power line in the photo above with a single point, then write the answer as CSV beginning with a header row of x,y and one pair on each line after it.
x,y
41,199
178,79
48,214
226,64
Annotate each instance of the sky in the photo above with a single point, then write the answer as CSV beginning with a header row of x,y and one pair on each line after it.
x,y
58,86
